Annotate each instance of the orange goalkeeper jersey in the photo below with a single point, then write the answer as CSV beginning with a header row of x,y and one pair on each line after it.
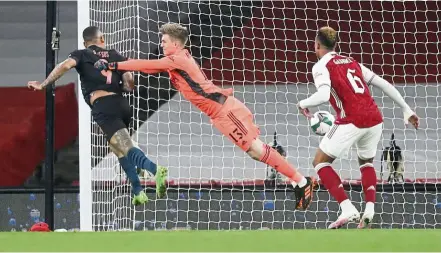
x,y
187,77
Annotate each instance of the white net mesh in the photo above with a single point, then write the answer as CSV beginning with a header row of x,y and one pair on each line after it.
x,y
264,50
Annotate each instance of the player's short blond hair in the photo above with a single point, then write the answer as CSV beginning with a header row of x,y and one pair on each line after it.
x,y
175,31
327,36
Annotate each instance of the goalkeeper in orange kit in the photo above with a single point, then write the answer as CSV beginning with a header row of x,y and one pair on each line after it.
x,y
230,116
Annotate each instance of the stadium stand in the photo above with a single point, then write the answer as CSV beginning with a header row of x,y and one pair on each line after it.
x,y
22,113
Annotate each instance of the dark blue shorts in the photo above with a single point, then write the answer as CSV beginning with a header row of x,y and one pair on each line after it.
x,y
111,113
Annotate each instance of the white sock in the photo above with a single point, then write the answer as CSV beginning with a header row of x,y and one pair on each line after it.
x,y
302,182
369,207
346,206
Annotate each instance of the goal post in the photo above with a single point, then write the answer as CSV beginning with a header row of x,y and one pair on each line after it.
x,y
84,133
264,50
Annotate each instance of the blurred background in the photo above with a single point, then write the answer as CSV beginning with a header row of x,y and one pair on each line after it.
x,y
22,120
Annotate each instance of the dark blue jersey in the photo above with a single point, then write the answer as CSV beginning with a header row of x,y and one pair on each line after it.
x,y
93,79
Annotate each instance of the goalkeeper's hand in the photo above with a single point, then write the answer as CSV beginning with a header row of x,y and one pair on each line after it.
x,y
102,64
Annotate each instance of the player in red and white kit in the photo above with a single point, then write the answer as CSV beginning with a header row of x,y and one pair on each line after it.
x,y
230,116
345,83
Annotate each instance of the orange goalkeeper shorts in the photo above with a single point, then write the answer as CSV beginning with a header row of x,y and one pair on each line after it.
x,y
236,122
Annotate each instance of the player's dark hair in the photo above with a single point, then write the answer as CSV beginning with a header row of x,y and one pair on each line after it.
x,y
90,33
175,31
327,37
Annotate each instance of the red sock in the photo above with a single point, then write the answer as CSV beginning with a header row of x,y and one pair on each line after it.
x,y
272,158
331,181
369,182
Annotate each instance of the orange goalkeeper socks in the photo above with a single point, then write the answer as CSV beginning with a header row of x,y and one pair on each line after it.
x,y
272,158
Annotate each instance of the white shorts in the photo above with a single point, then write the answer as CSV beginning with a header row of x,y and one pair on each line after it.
x,y
341,137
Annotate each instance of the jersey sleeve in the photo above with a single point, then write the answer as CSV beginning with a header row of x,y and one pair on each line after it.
x,y
368,75
392,93
149,66
322,82
321,96
119,57
321,76
77,55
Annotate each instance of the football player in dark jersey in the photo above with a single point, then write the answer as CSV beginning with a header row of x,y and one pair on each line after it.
x,y
102,91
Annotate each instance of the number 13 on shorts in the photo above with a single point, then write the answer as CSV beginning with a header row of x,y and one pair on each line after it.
x,y
235,121
236,135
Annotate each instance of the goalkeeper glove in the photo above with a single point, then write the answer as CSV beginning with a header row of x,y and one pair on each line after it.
x,y
104,65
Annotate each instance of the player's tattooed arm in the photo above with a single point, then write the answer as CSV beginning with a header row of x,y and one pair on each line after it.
x,y
58,72
121,141
128,82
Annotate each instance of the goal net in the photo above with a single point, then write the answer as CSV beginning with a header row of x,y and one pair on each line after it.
x,y
264,50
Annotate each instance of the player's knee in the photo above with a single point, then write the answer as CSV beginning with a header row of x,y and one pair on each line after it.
x,y
316,162
125,150
321,157
319,166
256,149
365,162
116,152
119,155
254,153
122,142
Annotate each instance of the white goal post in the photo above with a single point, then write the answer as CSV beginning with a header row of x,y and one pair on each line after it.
x,y
84,133
264,50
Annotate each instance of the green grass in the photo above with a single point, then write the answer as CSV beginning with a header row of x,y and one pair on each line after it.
x,y
390,240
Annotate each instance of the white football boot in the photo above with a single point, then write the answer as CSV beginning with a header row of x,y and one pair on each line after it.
x,y
368,215
349,214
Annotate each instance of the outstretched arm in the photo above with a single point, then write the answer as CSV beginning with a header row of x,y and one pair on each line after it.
x,y
373,79
58,72
148,66
322,82
151,71
321,96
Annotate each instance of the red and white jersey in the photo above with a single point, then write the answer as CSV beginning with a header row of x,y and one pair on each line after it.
x,y
350,95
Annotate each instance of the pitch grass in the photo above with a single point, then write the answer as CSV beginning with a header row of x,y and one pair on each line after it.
x,y
389,240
